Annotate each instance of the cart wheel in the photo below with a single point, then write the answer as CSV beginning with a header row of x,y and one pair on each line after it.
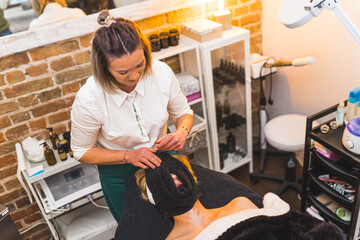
x,y
254,180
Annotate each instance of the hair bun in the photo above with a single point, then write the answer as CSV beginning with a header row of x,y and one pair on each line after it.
x,y
102,16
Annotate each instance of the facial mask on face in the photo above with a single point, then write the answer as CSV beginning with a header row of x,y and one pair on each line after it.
x,y
168,198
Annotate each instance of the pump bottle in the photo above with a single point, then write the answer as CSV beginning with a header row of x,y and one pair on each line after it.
x,y
54,138
49,154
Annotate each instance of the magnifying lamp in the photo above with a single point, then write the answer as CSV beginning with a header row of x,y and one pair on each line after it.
x,y
295,13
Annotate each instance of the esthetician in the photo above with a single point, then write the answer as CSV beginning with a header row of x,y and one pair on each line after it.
x,y
119,117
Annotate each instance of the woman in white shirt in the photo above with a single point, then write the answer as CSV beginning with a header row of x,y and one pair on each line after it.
x,y
53,11
119,115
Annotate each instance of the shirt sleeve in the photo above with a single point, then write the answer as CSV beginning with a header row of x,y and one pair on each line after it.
x,y
86,120
178,105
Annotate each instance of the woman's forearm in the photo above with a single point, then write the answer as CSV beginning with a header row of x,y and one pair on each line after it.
x,y
184,122
104,156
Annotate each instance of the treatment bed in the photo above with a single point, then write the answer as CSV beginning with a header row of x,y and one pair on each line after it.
x,y
141,220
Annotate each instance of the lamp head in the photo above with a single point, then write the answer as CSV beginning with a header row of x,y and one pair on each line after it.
x,y
295,13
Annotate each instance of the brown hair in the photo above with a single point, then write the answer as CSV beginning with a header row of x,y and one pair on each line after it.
x,y
117,39
39,5
141,180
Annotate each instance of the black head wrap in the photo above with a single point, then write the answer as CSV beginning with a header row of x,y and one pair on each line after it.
x,y
169,199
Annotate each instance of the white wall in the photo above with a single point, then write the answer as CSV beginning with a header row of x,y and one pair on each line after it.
x,y
307,90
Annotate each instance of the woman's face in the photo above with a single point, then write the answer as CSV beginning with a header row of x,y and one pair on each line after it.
x,y
176,180
128,69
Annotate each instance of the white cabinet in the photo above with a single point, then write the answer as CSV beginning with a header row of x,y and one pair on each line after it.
x,y
228,98
185,61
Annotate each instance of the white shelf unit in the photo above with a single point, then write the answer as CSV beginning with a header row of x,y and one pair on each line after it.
x,y
188,55
59,220
233,46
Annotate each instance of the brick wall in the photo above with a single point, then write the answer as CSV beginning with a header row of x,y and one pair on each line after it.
x,y
38,87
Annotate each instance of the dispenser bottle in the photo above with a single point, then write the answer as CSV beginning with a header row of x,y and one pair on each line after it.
x,y
352,104
340,113
231,143
54,138
49,154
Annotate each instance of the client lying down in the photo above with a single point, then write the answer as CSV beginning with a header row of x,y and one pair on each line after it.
x,y
172,188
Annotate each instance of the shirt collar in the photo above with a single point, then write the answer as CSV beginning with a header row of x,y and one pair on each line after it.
x,y
120,96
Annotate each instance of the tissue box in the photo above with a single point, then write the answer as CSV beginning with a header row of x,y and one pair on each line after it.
x,y
202,30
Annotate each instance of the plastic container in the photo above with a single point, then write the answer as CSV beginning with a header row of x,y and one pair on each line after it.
x,y
352,104
340,113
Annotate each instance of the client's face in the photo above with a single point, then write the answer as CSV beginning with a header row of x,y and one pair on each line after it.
x,y
176,180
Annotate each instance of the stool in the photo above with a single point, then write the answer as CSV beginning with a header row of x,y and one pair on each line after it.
x,y
287,134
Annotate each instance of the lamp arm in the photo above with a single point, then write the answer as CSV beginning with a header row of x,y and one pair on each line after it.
x,y
347,22
315,8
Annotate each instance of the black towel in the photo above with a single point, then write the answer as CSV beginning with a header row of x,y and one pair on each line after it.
x,y
169,199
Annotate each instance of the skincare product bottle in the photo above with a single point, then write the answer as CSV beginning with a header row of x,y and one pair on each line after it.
x,y
231,143
62,153
352,104
54,138
340,113
49,154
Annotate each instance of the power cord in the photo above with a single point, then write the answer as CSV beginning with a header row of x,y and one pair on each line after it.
x,y
28,229
91,200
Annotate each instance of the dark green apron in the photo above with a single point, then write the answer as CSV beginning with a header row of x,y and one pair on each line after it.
x,y
113,178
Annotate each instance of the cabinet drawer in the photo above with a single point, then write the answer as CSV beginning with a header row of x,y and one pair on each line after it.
x,y
320,185
335,168
327,213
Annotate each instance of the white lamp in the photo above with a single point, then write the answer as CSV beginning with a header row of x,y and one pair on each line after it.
x,y
295,13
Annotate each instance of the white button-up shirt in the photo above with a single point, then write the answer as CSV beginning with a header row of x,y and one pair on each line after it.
x,y
109,120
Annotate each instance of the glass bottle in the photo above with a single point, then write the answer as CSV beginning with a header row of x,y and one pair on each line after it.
x,y
49,154
54,138
62,153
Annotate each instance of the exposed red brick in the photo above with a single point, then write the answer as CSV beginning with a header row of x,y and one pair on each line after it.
x,y
2,80
37,124
7,160
15,76
73,74
37,70
70,88
13,60
25,212
28,100
54,50
53,106
82,57
4,122
20,117
51,94
12,184
7,147
32,218
22,202
9,106
17,132
62,63
9,196
85,41
59,117
28,87
2,137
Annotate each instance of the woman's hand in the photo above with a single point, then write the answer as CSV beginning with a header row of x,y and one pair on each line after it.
x,y
143,157
172,141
